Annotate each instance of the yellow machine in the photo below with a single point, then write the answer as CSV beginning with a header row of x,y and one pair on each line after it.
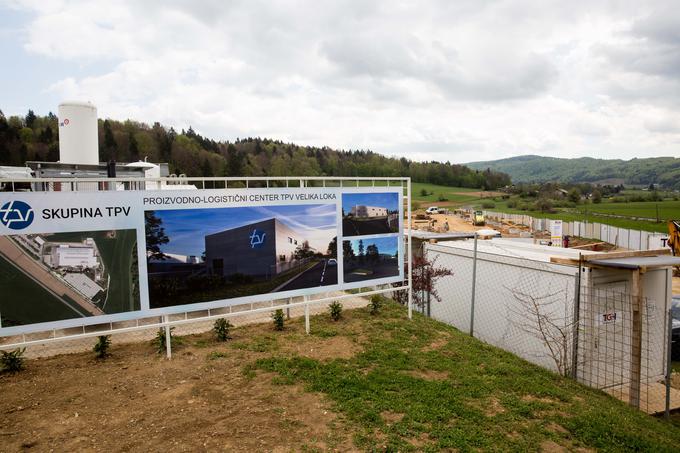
x,y
478,218
674,238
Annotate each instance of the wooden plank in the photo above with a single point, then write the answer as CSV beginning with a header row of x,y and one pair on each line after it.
x,y
587,245
562,260
628,254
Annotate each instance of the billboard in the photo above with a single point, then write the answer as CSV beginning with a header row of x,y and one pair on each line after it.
x,y
78,258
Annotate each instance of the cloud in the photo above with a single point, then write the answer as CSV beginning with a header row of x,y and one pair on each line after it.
x,y
452,81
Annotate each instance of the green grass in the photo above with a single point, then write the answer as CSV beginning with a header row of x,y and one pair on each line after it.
x,y
578,214
422,385
453,194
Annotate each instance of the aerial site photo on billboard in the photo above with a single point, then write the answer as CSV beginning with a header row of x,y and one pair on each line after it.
x,y
212,254
58,276
370,213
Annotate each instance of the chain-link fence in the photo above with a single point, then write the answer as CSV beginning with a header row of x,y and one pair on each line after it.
x,y
609,339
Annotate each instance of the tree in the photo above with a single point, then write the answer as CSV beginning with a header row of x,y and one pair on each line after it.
x,y
361,248
597,196
347,250
133,148
575,195
333,248
372,252
303,251
424,275
155,236
110,145
544,205
30,119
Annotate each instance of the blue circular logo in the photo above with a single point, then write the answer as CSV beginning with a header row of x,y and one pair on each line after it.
x,y
16,215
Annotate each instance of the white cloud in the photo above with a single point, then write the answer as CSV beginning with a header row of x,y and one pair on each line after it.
x,y
457,81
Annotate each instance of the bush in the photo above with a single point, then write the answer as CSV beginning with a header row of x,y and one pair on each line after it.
x,y
13,361
159,341
423,193
512,204
376,304
488,205
335,310
101,347
441,197
278,317
221,329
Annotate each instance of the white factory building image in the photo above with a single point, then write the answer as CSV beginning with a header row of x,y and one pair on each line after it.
x,y
362,210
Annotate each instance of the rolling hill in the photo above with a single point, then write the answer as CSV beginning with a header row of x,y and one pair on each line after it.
x,y
658,170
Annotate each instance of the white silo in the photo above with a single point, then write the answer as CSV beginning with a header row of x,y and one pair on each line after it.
x,y
78,137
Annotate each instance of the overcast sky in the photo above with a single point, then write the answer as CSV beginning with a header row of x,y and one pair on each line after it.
x,y
444,80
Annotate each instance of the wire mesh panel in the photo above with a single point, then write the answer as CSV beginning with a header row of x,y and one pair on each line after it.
x,y
620,350
525,307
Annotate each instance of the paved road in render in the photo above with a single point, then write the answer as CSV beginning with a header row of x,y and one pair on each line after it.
x,y
313,277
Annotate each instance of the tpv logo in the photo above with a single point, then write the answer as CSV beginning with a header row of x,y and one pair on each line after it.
x,y
16,215
257,239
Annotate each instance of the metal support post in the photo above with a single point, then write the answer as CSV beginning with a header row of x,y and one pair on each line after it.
x,y
669,369
474,288
409,251
168,342
307,328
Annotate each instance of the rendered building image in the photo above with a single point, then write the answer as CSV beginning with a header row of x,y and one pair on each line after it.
x,y
258,249
368,211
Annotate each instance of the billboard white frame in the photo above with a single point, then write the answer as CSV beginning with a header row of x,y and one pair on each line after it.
x,y
230,185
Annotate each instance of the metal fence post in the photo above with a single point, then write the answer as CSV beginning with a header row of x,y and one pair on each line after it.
x,y
474,287
669,369
307,327
168,342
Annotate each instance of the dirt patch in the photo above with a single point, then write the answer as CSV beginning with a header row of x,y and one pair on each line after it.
x,y
138,400
490,407
544,399
436,344
549,446
338,347
391,417
429,375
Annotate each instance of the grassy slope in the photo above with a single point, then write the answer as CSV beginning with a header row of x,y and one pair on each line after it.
x,y
424,385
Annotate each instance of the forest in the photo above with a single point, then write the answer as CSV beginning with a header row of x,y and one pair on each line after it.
x,y
35,138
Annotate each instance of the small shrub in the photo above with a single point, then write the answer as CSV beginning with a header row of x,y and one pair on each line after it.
x,y
376,304
278,317
159,341
512,204
222,328
441,197
423,193
488,205
335,310
101,347
13,361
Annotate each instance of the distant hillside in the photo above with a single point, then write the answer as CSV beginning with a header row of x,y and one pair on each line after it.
x,y
656,170
35,137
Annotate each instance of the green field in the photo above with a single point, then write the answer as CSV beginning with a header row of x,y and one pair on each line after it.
x,y
25,302
667,209
452,194
579,214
